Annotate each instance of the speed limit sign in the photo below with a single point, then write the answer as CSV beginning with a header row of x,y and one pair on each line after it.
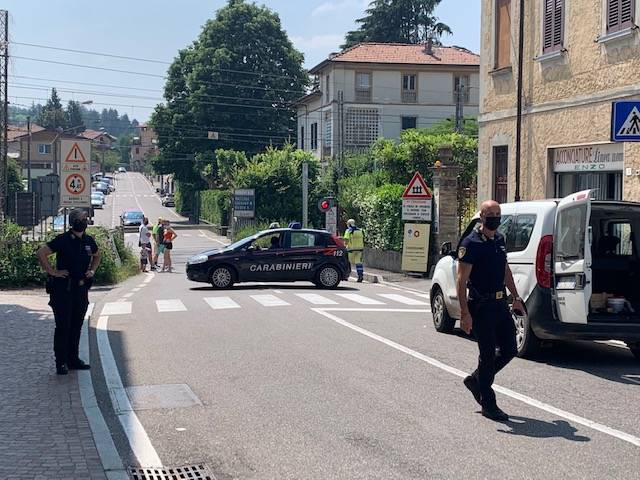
x,y
75,184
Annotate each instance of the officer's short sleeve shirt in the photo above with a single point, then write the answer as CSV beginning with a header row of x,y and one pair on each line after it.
x,y
489,260
73,253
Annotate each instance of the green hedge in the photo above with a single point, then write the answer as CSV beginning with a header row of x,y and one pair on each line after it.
x,y
19,265
379,213
215,206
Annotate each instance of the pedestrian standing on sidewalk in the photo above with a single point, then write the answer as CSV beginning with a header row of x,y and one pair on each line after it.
x,y
354,240
68,284
154,244
483,269
144,240
169,235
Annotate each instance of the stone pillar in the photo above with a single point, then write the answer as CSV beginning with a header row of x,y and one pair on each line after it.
x,y
445,192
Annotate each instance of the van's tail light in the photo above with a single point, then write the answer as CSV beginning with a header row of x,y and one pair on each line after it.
x,y
338,241
543,261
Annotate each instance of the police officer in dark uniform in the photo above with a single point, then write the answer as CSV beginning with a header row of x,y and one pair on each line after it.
x,y
483,269
77,258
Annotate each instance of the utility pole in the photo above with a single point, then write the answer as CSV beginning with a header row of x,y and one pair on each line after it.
x,y
29,154
460,94
519,94
4,108
305,195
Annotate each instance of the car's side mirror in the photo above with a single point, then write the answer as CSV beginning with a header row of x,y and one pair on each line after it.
x,y
445,248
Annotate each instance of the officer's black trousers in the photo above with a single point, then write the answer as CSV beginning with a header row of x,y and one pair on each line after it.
x,y
69,307
493,327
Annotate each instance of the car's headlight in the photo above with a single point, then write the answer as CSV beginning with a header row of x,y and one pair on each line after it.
x,y
197,259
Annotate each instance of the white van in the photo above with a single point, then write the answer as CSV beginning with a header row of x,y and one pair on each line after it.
x,y
576,263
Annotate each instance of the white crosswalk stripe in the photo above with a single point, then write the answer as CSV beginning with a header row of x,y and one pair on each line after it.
x,y
402,299
316,299
172,305
421,295
221,303
361,299
269,300
116,308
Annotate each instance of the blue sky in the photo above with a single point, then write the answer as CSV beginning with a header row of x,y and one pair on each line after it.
x,y
157,30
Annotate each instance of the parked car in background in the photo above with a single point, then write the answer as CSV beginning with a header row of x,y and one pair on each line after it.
x,y
122,170
131,218
99,193
97,200
168,201
102,187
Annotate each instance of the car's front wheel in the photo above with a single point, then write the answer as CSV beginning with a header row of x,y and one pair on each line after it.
x,y
222,277
441,319
328,277
635,349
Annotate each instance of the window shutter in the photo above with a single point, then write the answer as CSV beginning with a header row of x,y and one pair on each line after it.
x,y
619,14
553,25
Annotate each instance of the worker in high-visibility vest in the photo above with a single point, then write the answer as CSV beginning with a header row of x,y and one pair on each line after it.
x,y
354,239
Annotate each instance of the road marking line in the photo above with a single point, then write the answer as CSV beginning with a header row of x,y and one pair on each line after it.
x,y
137,289
204,233
138,438
128,295
361,299
116,308
505,391
172,305
269,300
316,299
109,456
402,299
221,303
421,295
279,292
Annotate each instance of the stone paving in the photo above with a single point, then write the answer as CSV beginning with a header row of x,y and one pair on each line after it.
x,y
44,433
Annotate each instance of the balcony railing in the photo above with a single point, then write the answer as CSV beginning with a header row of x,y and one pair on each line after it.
x,y
363,95
409,96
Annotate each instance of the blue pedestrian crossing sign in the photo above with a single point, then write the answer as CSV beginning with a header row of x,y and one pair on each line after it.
x,y
625,121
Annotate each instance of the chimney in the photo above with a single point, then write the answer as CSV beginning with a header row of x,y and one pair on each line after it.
x,y
428,48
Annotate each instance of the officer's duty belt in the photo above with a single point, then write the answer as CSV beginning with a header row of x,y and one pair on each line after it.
x,y
502,294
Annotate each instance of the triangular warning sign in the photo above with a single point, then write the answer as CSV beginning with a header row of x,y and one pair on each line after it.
x,y
631,126
417,188
75,155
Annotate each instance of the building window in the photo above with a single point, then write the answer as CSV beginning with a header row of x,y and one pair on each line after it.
x,y
409,122
553,25
461,82
363,86
301,138
409,88
137,150
500,171
327,87
620,14
503,34
314,136
44,148
362,126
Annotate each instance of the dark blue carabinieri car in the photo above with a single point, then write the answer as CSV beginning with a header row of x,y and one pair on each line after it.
x,y
279,255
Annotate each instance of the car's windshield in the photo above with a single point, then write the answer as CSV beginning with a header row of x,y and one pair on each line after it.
x,y
133,215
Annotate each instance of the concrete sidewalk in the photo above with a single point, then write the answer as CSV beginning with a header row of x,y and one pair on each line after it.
x,y
45,433
373,275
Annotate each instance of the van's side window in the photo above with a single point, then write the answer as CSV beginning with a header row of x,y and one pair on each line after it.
x,y
520,234
505,229
616,240
571,233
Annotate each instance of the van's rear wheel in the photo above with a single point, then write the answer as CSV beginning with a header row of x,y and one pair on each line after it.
x,y
527,343
441,319
635,349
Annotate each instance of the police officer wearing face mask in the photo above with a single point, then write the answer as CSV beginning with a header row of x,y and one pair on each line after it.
x,y
483,269
77,258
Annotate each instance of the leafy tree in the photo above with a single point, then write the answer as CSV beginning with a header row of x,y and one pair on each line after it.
x,y
14,177
398,21
469,127
52,114
239,79
74,114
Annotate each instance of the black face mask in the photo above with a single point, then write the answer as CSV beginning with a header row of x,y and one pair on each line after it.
x,y
79,225
492,223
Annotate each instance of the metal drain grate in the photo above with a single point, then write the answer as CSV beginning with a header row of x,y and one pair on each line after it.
x,y
190,472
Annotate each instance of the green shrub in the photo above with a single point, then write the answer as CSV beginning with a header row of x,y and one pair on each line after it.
x,y
215,206
251,230
380,214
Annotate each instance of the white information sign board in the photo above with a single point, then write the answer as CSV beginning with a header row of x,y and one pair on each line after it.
x,y
416,209
75,173
331,218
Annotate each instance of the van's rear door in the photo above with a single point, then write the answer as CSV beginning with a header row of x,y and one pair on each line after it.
x,y
572,258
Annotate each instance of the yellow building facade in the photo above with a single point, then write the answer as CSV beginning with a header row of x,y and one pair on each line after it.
x,y
580,56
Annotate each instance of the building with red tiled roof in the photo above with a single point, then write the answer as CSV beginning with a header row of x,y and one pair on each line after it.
x,y
375,90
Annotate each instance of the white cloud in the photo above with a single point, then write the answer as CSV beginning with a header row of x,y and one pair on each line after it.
x,y
338,6
329,42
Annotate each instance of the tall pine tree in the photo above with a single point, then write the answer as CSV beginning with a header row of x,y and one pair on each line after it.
x,y
53,115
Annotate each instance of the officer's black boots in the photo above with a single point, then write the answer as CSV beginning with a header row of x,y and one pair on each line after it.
x,y
471,383
61,369
494,413
79,365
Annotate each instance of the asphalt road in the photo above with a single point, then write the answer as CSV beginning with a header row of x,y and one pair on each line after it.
x,y
288,381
